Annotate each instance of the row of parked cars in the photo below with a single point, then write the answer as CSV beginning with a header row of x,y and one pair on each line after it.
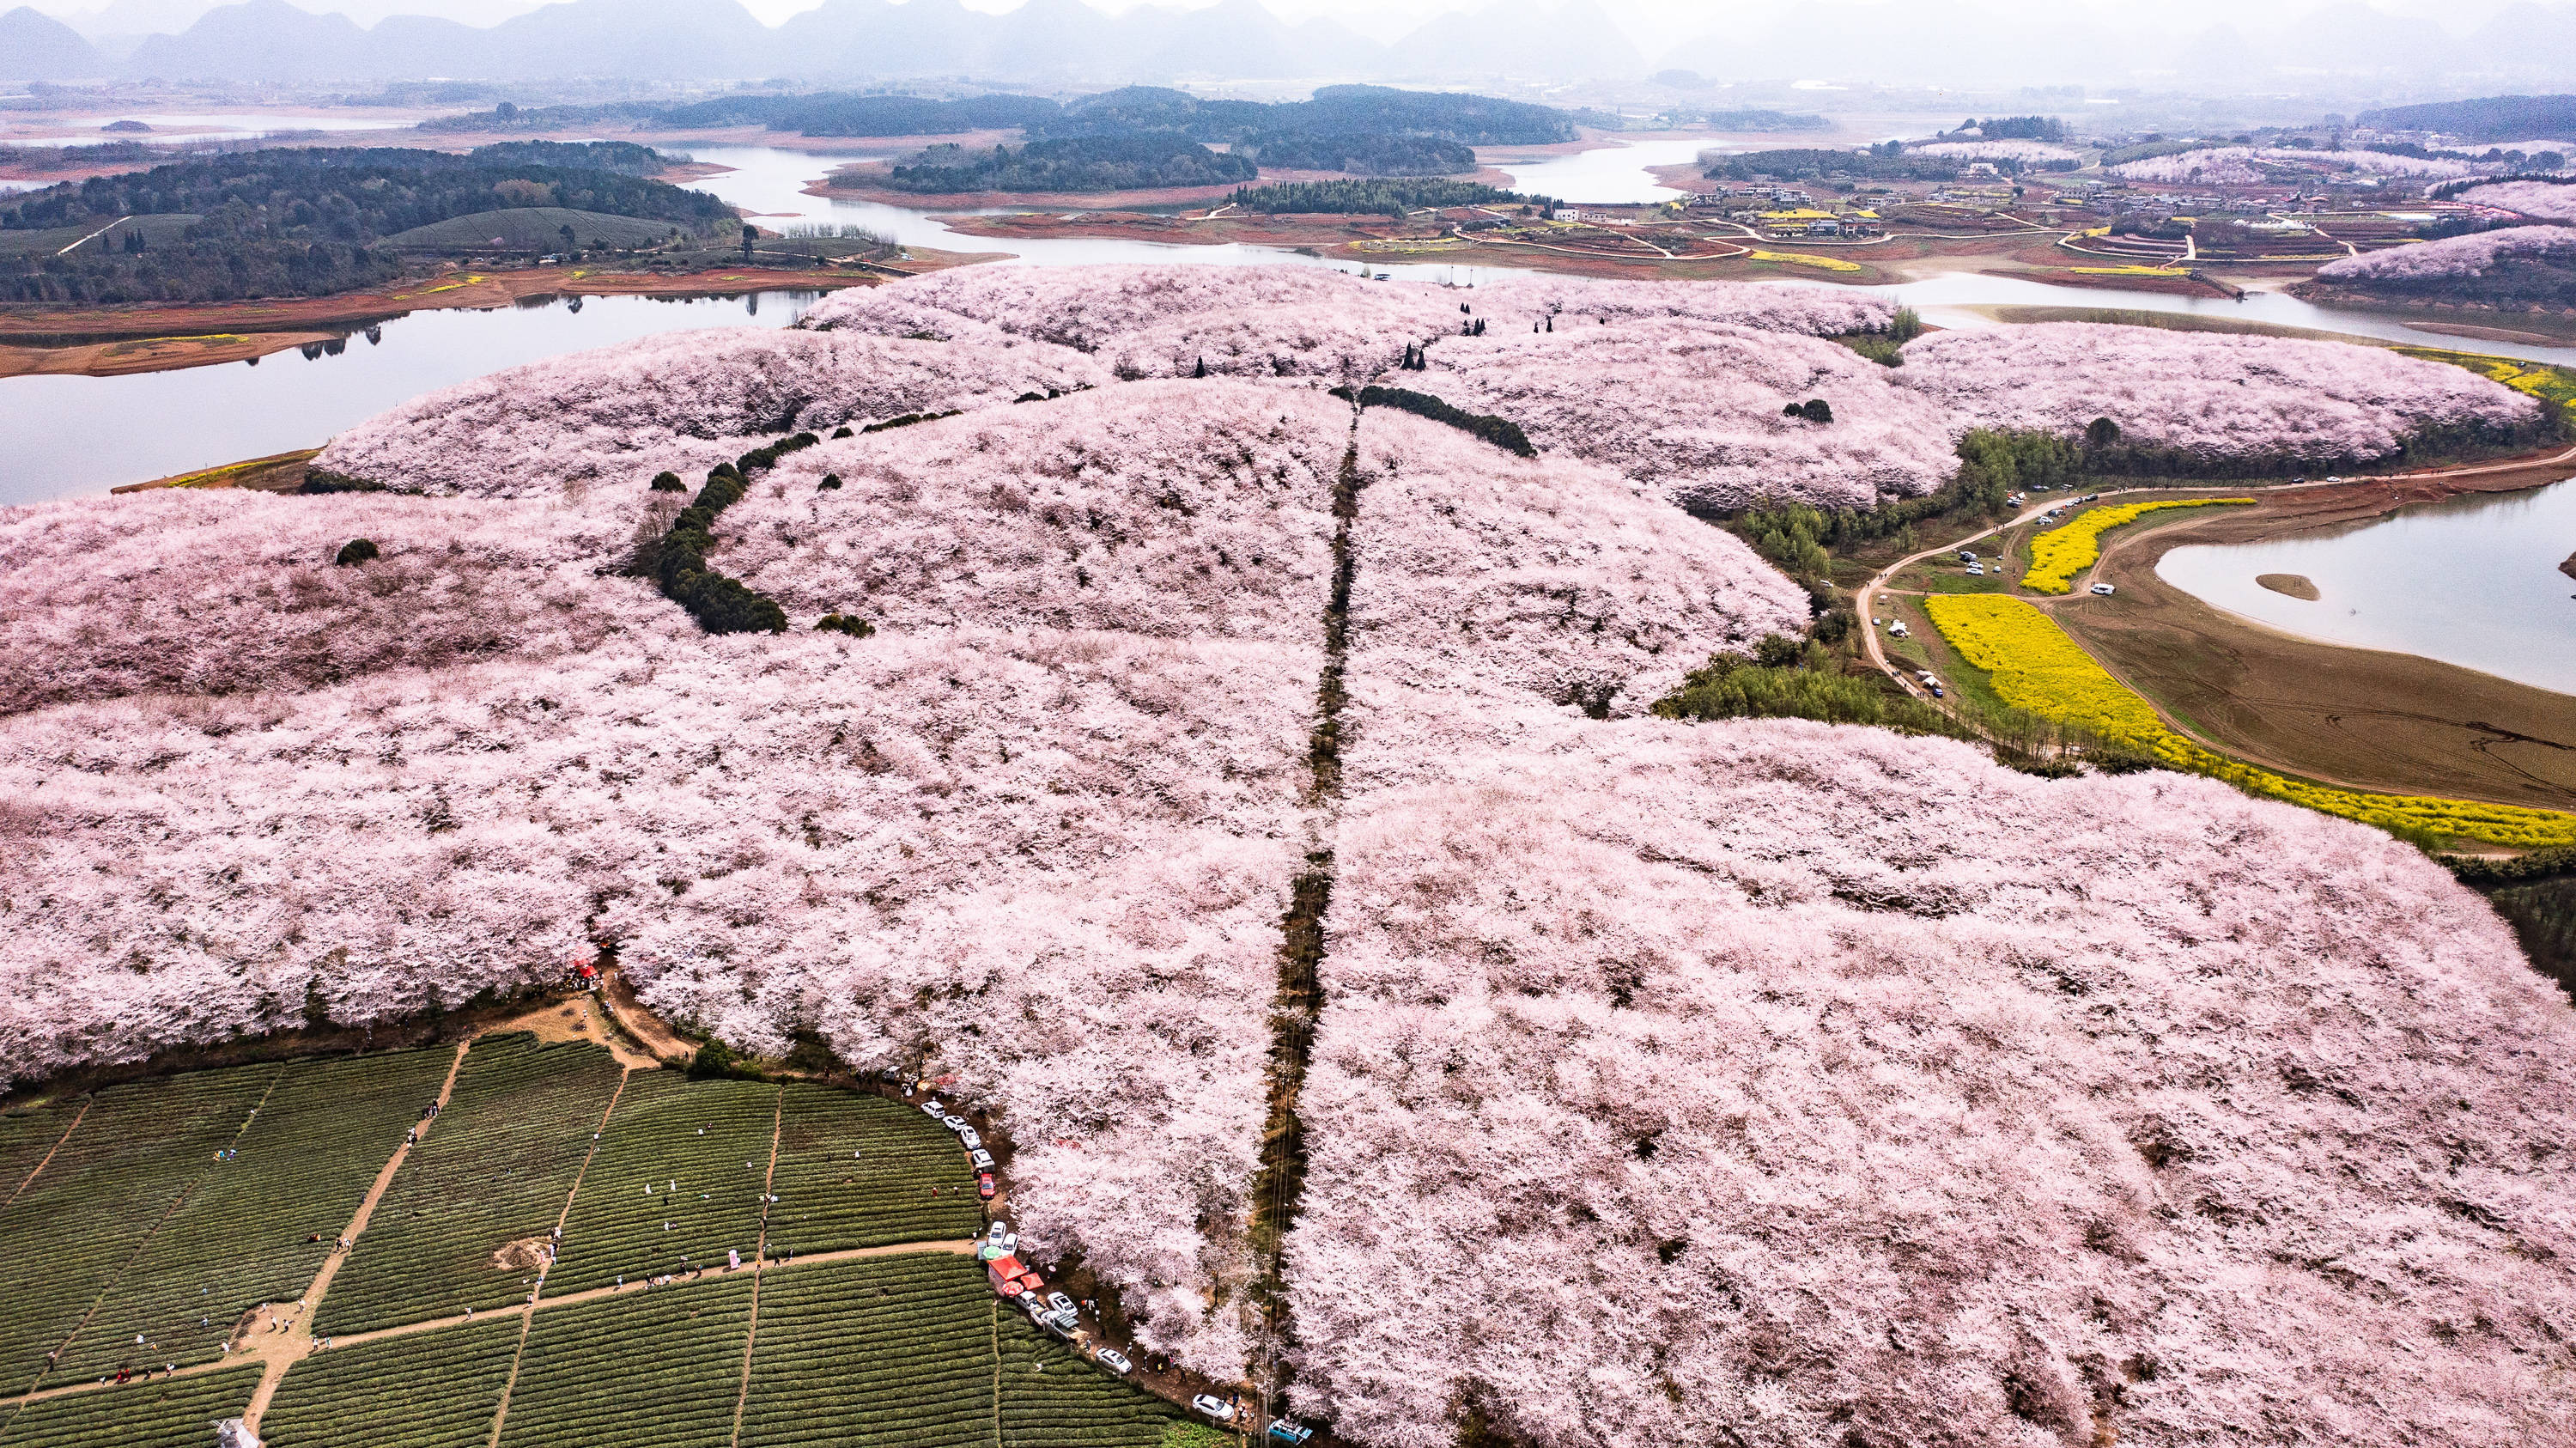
x,y
968,1137
1053,1311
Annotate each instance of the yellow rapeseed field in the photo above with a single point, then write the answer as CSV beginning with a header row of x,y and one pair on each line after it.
x,y
2057,555
2555,386
1800,258
2035,666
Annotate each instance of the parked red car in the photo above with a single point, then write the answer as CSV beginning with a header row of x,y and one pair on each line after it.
x,y
984,1184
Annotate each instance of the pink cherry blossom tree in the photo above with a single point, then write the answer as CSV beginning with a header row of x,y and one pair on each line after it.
x,y
2212,395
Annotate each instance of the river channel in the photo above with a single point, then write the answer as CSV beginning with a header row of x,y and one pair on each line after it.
x,y
72,436
2473,581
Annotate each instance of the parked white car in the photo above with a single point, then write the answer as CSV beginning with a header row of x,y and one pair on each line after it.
x,y
1217,1408
971,1140
983,1159
1113,1360
2103,589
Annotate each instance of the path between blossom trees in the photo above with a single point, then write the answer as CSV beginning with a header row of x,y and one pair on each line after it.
x,y
1279,1186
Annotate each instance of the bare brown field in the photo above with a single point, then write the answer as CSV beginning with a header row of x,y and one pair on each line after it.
x,y
149,354
276,473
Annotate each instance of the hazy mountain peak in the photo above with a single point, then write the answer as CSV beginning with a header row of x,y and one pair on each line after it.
x,y
36,46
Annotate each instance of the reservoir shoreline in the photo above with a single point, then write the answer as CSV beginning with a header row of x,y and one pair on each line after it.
x,y
2373,718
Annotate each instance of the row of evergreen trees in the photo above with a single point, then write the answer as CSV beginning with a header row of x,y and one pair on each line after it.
x,y
677,560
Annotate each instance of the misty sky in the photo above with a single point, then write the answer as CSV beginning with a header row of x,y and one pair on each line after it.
x,y
1654,25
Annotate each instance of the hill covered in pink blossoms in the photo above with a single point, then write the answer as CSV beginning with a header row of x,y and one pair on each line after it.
x,y
2515,267
1769,1082
2455,256
1838,1088
2541,200
2216,400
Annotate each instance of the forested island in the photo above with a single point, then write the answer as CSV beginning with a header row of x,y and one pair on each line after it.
x,y
1372,197
309,222
1073,163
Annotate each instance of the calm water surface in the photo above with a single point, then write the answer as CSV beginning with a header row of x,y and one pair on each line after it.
x,y
68,436
2471,581
1611,175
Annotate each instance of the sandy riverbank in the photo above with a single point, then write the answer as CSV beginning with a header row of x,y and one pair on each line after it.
x,y
2375,719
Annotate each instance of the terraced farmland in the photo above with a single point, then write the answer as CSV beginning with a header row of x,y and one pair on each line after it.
x,y
1052,1396
298,1171
496,1168
678,1176
70,1235
178,1204
434,1389
658,1368
863,1171
164,1413
25,1138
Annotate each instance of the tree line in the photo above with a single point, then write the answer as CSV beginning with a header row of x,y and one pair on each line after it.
x,y
1372,197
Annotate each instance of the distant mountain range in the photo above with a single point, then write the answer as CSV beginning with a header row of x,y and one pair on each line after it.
x,y
1943,42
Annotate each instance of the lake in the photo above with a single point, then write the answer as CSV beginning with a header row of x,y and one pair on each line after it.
x,y
2472,581
1610,175
71,436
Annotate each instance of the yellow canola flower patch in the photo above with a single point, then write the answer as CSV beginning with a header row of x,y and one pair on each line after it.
x,y
1829,263
2555,386
2057,555
2035,666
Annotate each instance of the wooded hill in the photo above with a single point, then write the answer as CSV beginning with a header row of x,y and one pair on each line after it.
x,y
2487,118
307,222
